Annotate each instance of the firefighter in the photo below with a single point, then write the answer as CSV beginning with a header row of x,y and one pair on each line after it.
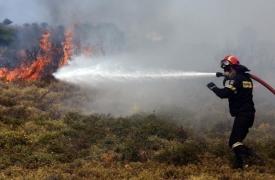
x,y
237,89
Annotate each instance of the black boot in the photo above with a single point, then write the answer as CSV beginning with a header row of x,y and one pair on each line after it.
x,y
238,163
241,157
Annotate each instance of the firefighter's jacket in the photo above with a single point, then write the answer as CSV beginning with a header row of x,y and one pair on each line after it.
x,y
239,94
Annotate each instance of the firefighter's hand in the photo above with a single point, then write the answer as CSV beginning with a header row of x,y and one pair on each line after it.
x,y
211,85
219,74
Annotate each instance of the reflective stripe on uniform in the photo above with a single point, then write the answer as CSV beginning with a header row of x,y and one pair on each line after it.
x,y
231,87
237,144
247,84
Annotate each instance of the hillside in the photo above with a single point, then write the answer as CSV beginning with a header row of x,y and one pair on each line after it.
x,y
44,136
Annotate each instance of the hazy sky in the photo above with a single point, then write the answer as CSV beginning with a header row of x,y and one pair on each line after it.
x,y
213,17
189,21
222,23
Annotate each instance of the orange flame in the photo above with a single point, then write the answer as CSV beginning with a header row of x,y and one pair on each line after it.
x,y
67,48
34,71
45,44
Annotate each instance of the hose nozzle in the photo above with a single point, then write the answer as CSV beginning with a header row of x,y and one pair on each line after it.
x,y
219,74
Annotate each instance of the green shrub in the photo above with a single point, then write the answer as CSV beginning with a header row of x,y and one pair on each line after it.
x,y
11,121
10,139
179,154
151,125
219,148
5,161
267,146
48,137
129,151
40,159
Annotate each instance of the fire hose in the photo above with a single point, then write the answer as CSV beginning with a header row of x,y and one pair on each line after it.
x,y
262,82
256,78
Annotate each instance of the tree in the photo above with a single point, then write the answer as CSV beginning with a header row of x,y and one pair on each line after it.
x,y
7,35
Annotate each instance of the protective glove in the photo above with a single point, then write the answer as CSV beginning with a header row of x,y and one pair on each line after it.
x,y
219,74
211,85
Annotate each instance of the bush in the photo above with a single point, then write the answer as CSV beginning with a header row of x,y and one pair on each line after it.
x,y
6,101
11,138
179,154
219,148
267,146
129,151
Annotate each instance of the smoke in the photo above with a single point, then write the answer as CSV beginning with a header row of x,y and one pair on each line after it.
x,y
176,35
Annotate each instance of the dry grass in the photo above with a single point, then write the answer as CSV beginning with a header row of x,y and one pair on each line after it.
x,y
41,138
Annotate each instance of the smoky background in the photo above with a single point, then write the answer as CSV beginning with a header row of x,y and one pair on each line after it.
x,y
171,35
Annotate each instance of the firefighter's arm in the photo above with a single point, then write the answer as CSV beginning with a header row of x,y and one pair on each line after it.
x,y
225,92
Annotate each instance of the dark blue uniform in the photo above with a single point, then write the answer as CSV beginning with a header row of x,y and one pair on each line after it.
x,y
238,91
239,94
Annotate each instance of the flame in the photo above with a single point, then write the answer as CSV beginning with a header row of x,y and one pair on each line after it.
x,y
47,52
45,44
35,69
67,48
50,56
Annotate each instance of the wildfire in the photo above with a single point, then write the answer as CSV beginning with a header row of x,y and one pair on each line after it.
x,y
45,43
45,56
67,48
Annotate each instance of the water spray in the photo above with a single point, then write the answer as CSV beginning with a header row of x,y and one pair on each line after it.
x,y
109,72
127,76
256,78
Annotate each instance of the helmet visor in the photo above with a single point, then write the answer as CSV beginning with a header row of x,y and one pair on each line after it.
x,y
225,63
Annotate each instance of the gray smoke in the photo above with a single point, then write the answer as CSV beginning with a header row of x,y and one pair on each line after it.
x,y
179,35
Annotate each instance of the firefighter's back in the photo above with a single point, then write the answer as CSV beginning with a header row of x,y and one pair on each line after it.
x,y
242,100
